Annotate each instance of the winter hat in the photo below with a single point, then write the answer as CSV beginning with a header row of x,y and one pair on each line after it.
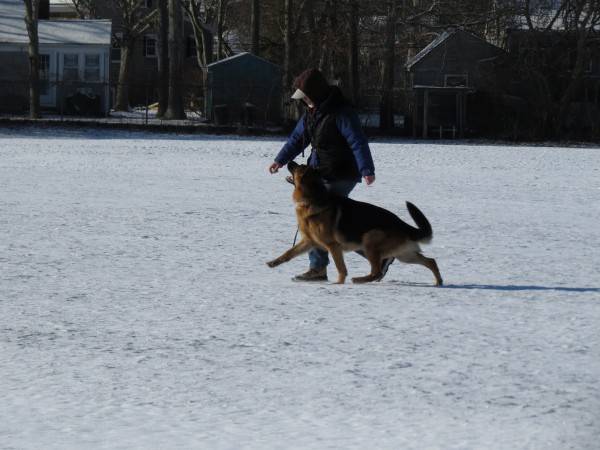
x,y
312,84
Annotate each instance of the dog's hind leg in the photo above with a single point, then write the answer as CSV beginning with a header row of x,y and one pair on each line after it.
x,y
419,258
301,247
338,258
374,258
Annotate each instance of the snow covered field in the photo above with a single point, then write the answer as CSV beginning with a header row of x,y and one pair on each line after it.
x,y
136,310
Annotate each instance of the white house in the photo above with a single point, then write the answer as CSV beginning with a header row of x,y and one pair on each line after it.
x,y
74,58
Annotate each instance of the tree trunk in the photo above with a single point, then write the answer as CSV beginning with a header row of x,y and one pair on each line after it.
x,y
287,43
202,37
204,44
353,52
326,60
175,110
255,27
200,47
220,19
312,32
31,21
386,112
163,63
574,82
288,106
208,47
122,102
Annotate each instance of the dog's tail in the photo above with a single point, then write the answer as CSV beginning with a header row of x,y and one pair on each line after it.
x,y
423,233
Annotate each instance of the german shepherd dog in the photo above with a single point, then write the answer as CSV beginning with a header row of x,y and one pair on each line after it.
x,y
338,224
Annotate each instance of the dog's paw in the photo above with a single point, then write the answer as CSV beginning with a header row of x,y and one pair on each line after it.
x,y
360,280
273,263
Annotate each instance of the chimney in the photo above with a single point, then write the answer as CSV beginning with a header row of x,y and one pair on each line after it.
x,y
44,11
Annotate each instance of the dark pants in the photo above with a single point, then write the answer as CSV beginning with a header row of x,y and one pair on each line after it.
x,y
318,258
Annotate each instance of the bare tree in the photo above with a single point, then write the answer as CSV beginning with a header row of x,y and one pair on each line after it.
x,y
163,55
552,58
86,9
175,109
221,6
582,18
135,21
32,8
287,42
353,51
386,115
255,27
328,23
200,15
313,36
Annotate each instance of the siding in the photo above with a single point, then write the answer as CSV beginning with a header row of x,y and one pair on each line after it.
x,y
242,79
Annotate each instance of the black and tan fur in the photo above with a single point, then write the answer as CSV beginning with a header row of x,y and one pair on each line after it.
x,y
339,224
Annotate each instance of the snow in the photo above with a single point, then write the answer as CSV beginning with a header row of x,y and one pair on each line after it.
x,y
137,311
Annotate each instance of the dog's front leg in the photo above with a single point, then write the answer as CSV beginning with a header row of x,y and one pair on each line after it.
x,y
301,247
338,258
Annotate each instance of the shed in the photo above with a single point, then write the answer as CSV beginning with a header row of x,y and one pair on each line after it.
x,y
243,88
74,62
442,76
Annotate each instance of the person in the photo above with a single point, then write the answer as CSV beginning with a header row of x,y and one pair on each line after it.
x,y
340,151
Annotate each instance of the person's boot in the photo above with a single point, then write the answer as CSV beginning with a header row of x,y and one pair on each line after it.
x,y
312,275
385,265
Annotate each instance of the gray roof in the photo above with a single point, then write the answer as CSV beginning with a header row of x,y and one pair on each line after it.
x,y
439,40
241,55
433,44
81,32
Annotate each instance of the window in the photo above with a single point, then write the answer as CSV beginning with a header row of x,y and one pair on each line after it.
x,y
70,66
150,46
456,80
91,70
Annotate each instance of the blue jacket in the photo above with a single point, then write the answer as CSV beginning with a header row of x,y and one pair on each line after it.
x,y
348,124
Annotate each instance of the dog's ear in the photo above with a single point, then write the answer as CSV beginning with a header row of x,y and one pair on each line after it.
x,y
313,181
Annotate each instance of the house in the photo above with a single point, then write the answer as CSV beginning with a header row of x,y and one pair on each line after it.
x,y
443,76
143,74
243,88
74,62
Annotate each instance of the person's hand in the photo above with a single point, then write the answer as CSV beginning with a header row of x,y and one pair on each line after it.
x,y
274,168
369,179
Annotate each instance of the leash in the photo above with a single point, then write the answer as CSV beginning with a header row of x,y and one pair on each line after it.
x,y
296,236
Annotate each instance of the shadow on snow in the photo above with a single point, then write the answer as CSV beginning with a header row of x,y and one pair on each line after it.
x,y
495,287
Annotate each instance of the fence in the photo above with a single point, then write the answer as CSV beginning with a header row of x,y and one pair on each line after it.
x,y
72,100
253,106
